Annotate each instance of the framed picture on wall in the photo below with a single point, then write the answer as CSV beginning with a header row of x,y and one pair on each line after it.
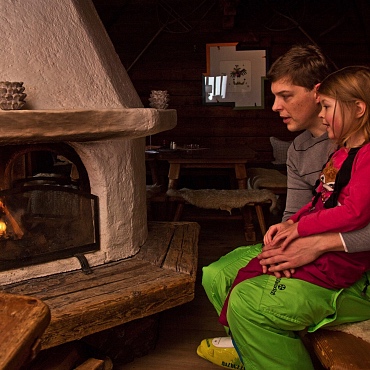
x,y
235,76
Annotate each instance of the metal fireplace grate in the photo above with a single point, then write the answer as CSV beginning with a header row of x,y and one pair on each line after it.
x,y
47,222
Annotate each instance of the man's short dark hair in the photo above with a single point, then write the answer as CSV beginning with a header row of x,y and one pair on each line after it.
x,y
302,65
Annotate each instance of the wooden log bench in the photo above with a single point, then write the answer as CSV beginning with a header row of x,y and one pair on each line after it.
x,y
161,276
337,350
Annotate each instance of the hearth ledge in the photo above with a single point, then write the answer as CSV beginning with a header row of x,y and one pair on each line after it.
x,y
42,126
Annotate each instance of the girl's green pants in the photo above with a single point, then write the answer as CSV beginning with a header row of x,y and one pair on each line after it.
x,y
265,313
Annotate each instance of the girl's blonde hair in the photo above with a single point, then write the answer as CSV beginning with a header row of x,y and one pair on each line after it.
x,y
346,86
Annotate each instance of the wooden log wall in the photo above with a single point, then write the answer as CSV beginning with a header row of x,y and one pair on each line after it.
x,y
162,45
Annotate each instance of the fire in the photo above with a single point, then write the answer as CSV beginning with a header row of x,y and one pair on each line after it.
x,y
17,229
2,228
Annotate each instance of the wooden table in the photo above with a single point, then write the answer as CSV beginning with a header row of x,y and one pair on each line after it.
x,y
234,158
206,158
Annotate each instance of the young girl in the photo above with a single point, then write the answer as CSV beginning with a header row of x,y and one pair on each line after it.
x,y
339,205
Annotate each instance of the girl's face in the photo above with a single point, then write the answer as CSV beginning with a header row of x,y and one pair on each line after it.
x,y
332,116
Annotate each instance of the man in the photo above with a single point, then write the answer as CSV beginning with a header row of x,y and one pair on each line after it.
x,y
265,313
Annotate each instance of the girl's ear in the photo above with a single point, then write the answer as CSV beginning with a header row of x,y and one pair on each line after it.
x,y
360,108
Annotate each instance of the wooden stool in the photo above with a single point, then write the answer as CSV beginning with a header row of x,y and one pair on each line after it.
x,y
243,199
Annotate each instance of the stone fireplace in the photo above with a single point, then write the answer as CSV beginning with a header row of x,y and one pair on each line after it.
x,y
79,96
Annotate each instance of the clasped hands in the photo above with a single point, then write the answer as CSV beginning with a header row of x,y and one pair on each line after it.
x,y
285,250
276,240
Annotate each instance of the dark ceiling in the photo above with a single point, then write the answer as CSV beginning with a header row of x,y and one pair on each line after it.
x,y
320,21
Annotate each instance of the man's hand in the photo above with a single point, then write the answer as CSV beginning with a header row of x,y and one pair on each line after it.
x,y
266,267
299,252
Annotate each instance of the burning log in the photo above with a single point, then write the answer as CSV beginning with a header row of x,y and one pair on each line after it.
x,y
15,225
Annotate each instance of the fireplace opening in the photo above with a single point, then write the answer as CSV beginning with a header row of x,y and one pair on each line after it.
x,y
46,209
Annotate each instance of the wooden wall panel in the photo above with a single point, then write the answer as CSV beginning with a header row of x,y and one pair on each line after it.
x,y
173,55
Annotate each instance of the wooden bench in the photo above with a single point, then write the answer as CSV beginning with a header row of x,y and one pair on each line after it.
x,y
161,276
23,320
338,350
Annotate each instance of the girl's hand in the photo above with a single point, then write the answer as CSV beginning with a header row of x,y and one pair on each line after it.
x,y
286,235
278,274
275,230
287,273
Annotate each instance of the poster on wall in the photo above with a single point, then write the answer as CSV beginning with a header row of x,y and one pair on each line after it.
x,y
234,77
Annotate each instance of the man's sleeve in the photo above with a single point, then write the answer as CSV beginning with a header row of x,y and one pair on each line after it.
x,y
358,240
299,192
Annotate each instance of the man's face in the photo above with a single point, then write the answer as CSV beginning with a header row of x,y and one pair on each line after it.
x,y
297,106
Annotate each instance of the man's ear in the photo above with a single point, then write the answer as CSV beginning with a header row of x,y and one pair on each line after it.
x,y
316,94
360,108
